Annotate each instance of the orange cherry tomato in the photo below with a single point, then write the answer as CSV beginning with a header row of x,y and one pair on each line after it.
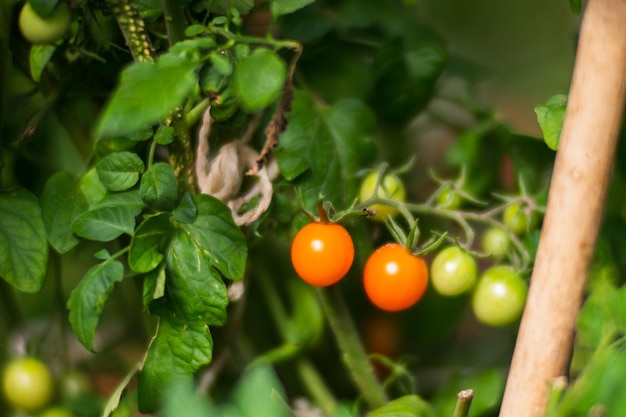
x,y
394,279
322,253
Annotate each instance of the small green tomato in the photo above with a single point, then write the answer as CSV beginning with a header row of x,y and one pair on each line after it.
x,y
44,29
499,296
27,383
453,271
448,198
390,188
495,242
518,220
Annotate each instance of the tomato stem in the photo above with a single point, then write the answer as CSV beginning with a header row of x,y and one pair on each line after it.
x,y
316,386
353,353
463,402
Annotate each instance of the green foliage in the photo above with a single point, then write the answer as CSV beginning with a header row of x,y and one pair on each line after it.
x,y
23,241
550,117
316,97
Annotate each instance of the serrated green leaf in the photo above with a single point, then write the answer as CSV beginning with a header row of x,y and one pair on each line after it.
x,y
281,7
407,406
110,218
258,79
140,100
58,206
260,393
196,297
164,135
23,241
218,236
550,117
159,188
328,144
114,400
186,212
87,300
149,242
119,171
39,57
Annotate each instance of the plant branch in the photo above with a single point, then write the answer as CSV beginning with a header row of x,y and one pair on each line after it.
x,y
463,402
574,211
352,351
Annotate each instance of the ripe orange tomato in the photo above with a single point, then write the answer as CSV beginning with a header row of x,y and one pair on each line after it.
x,y
393,278
322,253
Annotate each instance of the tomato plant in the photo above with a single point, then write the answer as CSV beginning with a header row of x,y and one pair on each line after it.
x,y
44,29
499,296
390,187
322,254
160,162
453,271
27,383
393,278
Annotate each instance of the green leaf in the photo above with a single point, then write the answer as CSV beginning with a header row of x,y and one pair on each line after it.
x,y
40,55
159,188
110,218
141,100
196,298
601,317
407,406
186,212
281,7
218,237
323,147
119,171
181,399
87,300
406,75
23,241
259,79
221,63
91,188
149,242
59,201
43,7
153,285
114,400
550,117
164,135
260,393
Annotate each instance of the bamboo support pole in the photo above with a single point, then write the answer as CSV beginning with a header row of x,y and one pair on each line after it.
x,y
574,211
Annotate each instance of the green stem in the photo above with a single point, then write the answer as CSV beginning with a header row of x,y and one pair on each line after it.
x,y
463,402
174,14
316,386
352,351
133,28
182,154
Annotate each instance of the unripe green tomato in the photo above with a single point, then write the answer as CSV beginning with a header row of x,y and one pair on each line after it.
x,y
495,242
517,220
453,271
44,29
390,188
499,296
27,383
448,198
57,412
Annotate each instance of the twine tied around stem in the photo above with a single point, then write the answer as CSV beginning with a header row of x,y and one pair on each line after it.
x,y
222,176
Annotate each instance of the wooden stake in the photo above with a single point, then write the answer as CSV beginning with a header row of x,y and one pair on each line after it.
x,y
574,212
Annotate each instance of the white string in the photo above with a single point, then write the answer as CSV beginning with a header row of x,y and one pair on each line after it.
x,y
222,177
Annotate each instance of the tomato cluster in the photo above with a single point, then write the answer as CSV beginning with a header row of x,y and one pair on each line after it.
x,y
395,277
